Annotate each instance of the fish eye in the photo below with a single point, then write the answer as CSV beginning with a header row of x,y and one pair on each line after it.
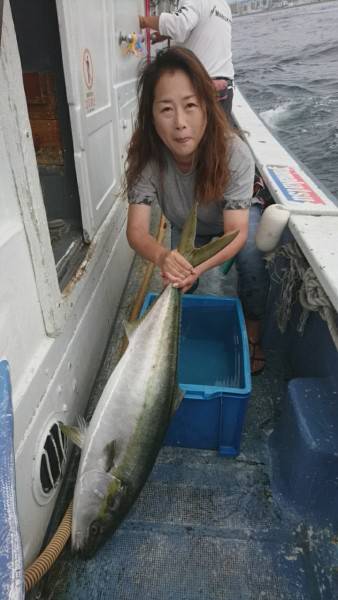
x,y
94,529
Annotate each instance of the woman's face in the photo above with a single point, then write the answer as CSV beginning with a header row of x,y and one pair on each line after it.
x,y
179,117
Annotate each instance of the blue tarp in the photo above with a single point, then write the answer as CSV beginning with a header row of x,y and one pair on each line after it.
x,y
11,561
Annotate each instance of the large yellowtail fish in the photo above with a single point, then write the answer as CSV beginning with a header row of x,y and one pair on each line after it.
x,y
125,434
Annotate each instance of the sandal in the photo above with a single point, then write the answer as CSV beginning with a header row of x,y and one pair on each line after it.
x,y
254,347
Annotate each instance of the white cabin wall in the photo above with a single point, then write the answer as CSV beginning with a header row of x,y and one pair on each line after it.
x,y
54,341
125,68
21,323
126,21
21,155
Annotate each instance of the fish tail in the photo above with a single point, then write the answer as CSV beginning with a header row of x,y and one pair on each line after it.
x,y
187,248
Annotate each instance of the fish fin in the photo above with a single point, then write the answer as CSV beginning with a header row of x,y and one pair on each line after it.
x,y
110,451
199,255
75,434
130,327
82,424
178,397
187,240
186,245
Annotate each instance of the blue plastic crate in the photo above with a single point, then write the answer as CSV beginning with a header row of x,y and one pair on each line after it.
x,y
214,373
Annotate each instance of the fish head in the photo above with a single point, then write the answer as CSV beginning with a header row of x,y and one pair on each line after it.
x,y
96,510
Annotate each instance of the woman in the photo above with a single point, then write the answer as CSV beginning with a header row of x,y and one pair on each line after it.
x,y
183,150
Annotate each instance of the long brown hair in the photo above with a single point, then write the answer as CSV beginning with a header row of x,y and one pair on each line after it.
x,y
212,171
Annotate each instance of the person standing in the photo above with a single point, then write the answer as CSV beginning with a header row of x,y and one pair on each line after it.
x,y
204,27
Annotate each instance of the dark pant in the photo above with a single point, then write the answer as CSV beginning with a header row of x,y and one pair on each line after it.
x,y
225,92
226,103
253,277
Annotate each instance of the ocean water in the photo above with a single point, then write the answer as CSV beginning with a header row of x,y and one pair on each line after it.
x,y
286,65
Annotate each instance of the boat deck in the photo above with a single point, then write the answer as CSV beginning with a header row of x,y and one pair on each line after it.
x,y
204,526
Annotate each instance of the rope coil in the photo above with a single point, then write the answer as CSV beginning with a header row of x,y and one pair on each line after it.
x,y
298,281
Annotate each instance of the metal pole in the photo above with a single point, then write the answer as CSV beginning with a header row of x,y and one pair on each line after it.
x,y
147,13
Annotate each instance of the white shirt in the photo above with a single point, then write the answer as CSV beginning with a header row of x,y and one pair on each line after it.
x,y
204,27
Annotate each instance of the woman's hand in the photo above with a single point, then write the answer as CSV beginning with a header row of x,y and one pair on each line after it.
x,y
184,285
176,269
188,282
156,37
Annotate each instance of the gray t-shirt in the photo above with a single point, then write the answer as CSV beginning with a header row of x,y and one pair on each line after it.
x,y
175,191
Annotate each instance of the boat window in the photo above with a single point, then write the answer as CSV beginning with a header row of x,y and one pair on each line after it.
x,y
37,32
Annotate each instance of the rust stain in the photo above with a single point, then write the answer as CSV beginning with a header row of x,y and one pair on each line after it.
x,y
80,271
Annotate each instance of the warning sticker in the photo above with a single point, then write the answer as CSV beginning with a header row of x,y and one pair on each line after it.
x,y
87,68
296,187
88,77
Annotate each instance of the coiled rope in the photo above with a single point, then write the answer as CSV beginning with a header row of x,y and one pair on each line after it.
x,y
49,555
313,298
298,281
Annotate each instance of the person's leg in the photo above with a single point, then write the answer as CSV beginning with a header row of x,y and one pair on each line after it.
x,y
175,236
226,103
253,287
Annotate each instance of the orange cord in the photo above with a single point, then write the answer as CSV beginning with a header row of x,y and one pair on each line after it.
x,y
47,558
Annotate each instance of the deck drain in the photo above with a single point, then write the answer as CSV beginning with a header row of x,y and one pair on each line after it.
x,y
53,459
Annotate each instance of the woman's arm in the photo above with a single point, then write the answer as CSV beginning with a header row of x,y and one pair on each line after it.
x,y
150,21
175,268
138,235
